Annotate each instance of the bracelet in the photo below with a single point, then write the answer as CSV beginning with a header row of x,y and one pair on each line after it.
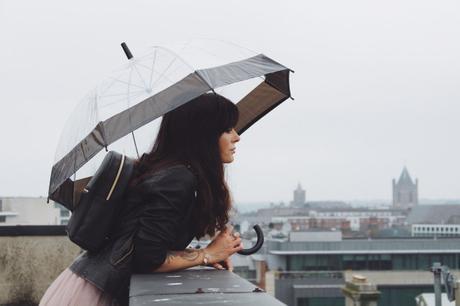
x,y
206,258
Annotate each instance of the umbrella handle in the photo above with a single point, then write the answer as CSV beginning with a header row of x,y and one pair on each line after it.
x,y
258,245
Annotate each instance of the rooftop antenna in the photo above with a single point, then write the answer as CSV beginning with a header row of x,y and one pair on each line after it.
x,y
449,280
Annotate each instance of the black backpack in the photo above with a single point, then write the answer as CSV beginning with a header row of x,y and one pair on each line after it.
x,y
100,202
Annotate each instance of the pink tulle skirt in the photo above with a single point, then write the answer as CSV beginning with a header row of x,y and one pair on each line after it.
x,y
70,289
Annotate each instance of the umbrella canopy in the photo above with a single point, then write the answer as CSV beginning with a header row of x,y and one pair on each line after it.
x,y
120,112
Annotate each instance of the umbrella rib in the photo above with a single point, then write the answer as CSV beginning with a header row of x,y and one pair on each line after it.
x,y
111,83
140,76
153,67
127,83
129,116
121,100
178,57
121,94
170,64
164,71
204,81
154,71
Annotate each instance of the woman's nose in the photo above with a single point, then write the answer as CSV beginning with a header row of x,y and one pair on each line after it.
x,y
236,138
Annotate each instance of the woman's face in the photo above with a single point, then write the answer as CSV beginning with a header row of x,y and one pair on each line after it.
x,y
227,147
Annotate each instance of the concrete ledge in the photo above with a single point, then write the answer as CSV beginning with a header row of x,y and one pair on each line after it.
x,y
28,265
197,286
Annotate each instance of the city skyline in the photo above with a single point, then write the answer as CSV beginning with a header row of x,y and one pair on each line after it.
x,y
375,88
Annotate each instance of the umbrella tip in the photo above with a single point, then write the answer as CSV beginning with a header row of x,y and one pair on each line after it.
x,y
128,53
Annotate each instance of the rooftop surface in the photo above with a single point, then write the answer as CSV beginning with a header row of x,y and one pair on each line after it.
x,y
378,246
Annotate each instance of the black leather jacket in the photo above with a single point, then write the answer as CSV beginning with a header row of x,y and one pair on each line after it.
x,y
156,218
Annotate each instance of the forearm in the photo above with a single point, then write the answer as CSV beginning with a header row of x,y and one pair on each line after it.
x,y
178,260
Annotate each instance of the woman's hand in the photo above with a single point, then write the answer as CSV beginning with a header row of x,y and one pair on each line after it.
x,y
224,245
224,265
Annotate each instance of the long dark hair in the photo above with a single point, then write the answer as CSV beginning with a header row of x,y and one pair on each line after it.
x,y
190,135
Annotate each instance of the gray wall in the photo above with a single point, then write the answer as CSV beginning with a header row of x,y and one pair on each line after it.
x,y
307,284
28,265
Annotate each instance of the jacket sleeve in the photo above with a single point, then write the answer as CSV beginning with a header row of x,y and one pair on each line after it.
x,y
167,196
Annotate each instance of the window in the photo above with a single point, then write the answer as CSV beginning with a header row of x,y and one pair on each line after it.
x,y
65,213
2,219
424,261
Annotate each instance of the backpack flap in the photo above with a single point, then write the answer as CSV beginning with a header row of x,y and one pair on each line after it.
x,y
92,219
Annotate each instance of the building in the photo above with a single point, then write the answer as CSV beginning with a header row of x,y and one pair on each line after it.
x,y
405,192
312,273
351,219
4,213
435,221
299,197
435,230
434,214
31,211
315,235
327,205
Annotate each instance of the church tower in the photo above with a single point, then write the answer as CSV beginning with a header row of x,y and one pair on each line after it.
x,y
299,197
405,192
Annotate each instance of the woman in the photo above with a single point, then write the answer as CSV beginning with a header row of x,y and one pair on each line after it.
x,y
178,192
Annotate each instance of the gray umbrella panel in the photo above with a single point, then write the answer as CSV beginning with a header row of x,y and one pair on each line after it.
x,y
265,97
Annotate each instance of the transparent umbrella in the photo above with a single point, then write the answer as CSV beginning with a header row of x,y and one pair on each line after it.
x,y
119,114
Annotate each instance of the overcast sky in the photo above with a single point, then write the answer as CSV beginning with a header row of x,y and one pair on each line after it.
x,y
376,88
